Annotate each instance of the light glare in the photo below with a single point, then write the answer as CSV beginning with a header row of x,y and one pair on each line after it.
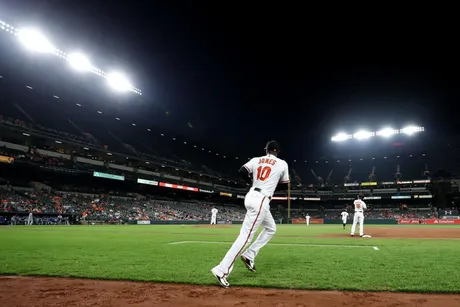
x,y
341,137
411,130
32,39
361,135
386,132
118,82
79,62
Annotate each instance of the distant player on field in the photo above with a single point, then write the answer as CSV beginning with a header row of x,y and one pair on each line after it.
x,y
307,219
359,216
30,219
214,216
344,216
267,173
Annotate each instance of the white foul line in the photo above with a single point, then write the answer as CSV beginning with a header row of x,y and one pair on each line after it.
x,y
278,244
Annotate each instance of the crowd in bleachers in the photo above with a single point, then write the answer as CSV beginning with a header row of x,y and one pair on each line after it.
x,y
111,208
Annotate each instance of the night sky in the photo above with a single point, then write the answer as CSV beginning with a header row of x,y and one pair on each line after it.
x,y
243,75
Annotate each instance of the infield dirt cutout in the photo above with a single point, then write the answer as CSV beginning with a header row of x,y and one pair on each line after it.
x,y
407,232
46,291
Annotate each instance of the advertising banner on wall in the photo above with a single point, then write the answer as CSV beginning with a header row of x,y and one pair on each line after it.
x,y
148,182
108,176
303,221
430,221
401,197
177,186
352,184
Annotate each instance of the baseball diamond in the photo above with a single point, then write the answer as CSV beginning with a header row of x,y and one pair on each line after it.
x,y
319,257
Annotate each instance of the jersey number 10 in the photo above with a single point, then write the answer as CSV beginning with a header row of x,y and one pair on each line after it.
x,y
263,173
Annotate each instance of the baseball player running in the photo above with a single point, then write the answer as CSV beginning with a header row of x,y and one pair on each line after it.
x,y
213,216
307,219
267,173
344,216
359,216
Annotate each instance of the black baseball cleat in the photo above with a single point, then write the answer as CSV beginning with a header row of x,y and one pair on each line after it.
x,y
352,236
222,280
249,264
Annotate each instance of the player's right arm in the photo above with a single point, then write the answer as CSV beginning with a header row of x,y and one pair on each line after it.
x,y
246,170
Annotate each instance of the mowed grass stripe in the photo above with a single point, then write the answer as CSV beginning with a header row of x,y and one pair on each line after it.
x,y
143,253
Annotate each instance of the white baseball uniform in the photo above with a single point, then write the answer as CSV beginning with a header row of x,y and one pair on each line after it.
x,y
213,216
344,216
30,219
307,219
267,171
359,216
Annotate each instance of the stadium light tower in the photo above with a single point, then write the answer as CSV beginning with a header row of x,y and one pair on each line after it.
x,y
386,132
118,82
79,62
341,137
33,40
409,130
362,135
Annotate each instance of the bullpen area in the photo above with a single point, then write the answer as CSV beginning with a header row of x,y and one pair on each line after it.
x,y
169,265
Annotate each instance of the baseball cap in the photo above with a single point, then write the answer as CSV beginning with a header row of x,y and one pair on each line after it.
x,y
272,146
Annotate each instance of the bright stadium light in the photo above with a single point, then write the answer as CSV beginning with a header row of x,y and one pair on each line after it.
x,y
32,39
79,62
386,132
341,137
409,130
119,82
361,135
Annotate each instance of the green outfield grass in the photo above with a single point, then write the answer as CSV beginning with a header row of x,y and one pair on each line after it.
x,y
298,257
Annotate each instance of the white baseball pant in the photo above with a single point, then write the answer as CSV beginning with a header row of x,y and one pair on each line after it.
x,y
358,218
258,213
213,219
308,222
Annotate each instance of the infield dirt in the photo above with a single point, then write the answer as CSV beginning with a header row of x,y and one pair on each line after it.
x,y
395,232
46,291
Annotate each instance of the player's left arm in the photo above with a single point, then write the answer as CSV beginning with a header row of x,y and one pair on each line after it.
x,y
283,184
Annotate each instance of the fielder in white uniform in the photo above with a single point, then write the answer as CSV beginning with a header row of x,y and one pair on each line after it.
x,y
358,217
344,216
307,219
30,219
214,216
267,173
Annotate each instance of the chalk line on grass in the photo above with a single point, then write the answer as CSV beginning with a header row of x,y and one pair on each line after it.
x,y
279,244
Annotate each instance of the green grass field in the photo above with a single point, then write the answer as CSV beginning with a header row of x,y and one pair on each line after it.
x,y
297,257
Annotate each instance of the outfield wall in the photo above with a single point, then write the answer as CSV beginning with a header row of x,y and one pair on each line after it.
x,y
430,221
366,221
